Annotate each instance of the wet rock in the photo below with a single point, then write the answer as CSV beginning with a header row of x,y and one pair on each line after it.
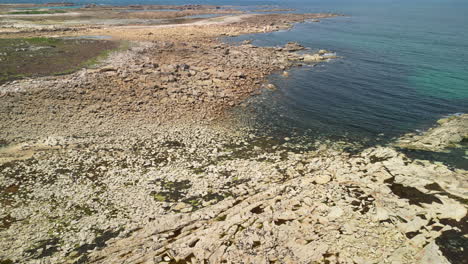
x,y
327,56
313,58
448,133
321,52
180,206
171,68
293,46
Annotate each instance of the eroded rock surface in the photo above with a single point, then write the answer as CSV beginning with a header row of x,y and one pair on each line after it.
x,y
449,132
359,216
197,194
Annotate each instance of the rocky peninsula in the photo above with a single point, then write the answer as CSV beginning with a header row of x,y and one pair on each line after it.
x,y
137,158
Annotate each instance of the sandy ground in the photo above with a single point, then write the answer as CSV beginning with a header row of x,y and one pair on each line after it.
x,y
42,15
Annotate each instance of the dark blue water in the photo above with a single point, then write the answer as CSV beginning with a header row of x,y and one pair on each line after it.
x,y
404,65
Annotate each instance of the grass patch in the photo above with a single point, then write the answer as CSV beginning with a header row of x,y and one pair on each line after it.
x,y
40,56
95,61
221,218
11,77
42,41
159,197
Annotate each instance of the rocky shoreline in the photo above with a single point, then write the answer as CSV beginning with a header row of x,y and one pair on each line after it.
x,y
179,72
450,132
201,193
137,161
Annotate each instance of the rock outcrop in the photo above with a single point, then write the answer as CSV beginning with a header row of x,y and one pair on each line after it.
x,y
173,193
449,132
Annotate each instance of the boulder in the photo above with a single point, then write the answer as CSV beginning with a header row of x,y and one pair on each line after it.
x,y
449,133
313,58
180,206
171,68
322,179
335,213
329,55
322,51
293,46
271,86
107,69
432,255
381,214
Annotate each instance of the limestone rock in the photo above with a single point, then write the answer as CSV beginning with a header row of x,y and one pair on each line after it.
x,y
449,132
432,255
293,46
322,179
381,214
335,212
313,58
322,51
452,210
180,206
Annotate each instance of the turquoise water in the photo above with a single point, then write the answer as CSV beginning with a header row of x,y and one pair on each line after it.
x,y
403,66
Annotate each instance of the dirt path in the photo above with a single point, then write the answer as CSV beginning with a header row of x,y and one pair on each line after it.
x,y
41,15
224,20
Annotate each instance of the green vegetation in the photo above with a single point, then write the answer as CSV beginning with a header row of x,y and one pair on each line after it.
x,y
221,218
40,56
11,77
37,12
42,41
94,61
195,202
158,197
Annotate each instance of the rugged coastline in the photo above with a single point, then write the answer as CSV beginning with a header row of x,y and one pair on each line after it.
x,y
137,161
